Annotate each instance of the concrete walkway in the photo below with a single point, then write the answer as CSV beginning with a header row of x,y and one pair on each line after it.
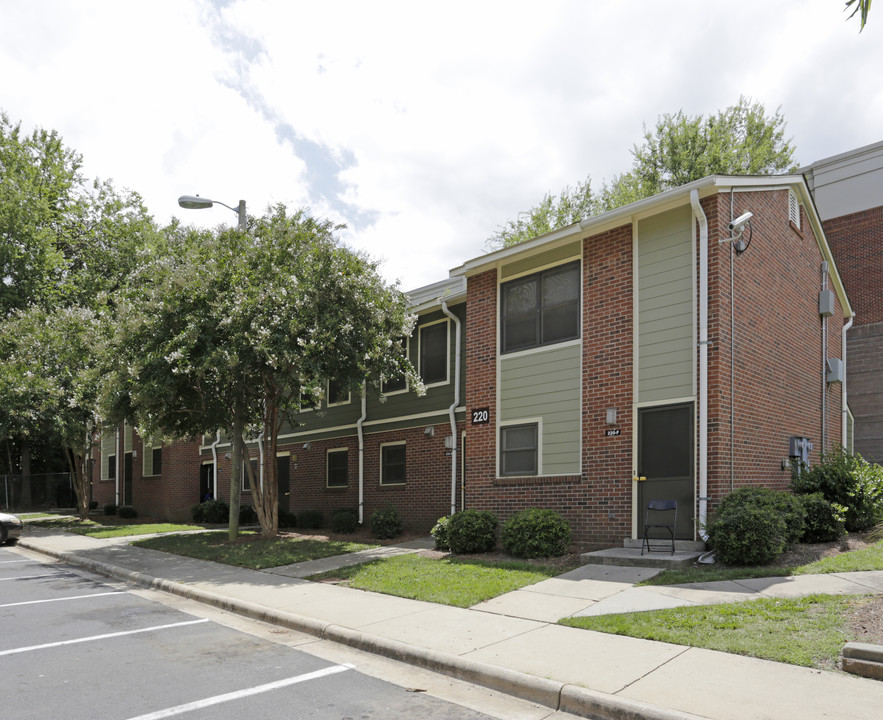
x,y
512,643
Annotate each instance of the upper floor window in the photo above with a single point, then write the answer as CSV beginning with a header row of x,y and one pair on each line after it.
x,y
399,384
540,309
338,394
434,353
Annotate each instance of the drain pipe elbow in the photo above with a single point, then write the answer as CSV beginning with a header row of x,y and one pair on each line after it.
x,y
699,214
453,408
361,434
844,406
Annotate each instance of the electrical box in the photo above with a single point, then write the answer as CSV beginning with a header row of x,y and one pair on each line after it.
x,y
826,303
449,442
799,448
834,370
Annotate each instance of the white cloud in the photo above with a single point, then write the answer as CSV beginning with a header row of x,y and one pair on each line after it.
x,y
423,127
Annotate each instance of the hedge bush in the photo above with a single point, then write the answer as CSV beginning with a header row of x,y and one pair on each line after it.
x,y
310,519
386,523
824,521
287,519
786,503
748,534
127,511
533,533
440,533
215,512
247,515
848,480
110,509
344,520
472,531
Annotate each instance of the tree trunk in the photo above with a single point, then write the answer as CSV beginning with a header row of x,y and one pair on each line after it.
x,y
77,462
236,472
266,495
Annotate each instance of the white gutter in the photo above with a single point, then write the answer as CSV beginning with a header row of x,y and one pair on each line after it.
x,y
454,405
116,470
261,451
703,361
362,457
844,411
215,466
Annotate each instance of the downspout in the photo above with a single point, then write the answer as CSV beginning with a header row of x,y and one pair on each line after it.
x,y
215,466
703,362
844,411
454,405
116,470
362,456
261,455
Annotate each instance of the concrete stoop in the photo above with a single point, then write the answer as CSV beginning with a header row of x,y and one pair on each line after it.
x,y
863,659
685,554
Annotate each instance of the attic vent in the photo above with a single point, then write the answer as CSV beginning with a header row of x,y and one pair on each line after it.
x,y
793,209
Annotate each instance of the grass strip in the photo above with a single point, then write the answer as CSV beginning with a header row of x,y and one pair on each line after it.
x,y
869,558
452,581
250,550
97,530
808,631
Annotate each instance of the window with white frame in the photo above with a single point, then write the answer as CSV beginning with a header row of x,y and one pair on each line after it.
x,y
433,341
152,464
338,394
519,449
540,309
392,464
337,468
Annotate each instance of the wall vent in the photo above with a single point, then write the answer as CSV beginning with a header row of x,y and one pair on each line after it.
x,y
793,209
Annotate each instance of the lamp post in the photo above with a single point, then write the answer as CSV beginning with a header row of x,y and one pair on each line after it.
x,y
194,202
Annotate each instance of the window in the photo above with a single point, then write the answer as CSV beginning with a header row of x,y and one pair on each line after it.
x,y
152,464
157,460
518,450
434,353
399,384
392,464
337,393
540,309
111,467
246,480
337,466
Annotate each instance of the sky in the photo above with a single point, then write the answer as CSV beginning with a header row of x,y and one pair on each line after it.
x,y
421,126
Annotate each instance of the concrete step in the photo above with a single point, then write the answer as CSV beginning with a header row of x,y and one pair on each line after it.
x,y
631,557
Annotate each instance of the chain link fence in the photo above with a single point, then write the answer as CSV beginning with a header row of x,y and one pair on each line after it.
x,y
29,493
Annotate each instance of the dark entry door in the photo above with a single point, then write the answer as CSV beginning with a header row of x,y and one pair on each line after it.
x,y
666,447
127,479
283,473
206,481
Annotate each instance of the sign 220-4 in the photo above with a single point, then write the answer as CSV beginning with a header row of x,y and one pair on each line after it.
x,y
481,416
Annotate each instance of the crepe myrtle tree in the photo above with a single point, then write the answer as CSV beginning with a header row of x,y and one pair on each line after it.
x,y
49,383
238,330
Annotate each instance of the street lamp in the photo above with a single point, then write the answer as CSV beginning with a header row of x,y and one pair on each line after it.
x,y
194,202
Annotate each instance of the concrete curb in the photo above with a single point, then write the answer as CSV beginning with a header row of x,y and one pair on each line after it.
x,y
553,694
863,659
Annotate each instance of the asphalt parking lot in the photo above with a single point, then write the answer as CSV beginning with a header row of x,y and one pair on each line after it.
x,y
76,646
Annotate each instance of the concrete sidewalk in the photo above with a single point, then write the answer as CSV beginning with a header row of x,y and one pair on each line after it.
x,y
511,643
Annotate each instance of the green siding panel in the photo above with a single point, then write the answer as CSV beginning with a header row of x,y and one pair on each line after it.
x,y
546,384
530,264
666,318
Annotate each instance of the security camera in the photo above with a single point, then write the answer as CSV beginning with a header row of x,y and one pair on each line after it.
x,y
740,221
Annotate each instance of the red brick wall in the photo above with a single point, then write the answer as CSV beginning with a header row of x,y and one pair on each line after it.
x,y
857,243
778,344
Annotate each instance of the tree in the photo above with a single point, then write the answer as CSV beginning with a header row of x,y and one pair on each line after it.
x,y
741,140
861,6
239,330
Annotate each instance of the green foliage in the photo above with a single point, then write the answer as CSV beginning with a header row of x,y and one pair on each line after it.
x,y
440,533
863,7
197,512
740,140
784,503
310,519
848,480
215,512
344,520
127,512
110,509
287,519
247,515
748,534
533,533
472,531
823,521
386,523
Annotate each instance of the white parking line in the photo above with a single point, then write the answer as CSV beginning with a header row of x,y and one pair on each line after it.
x,y
15,651
29,577
62,599
227,697
10,562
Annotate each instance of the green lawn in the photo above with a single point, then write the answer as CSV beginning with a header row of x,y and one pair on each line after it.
x,y
808,631
98,530
459,582
251,550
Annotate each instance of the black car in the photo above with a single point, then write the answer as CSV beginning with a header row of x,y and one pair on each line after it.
x,y
10,528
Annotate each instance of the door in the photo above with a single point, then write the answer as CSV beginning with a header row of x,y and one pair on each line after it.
x,y
127,480
666,448
283,474
206,482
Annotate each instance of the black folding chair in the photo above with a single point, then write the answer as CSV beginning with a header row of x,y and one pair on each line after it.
x,y
656,512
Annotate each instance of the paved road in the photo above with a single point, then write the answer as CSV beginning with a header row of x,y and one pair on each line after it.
x,y
75,646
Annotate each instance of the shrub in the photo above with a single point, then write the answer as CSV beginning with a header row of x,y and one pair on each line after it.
x,y
197,512
440,533
110,509
386,523
93,505
310,519
533,533
472,531
748,534
247,515
127,511
287,519
847,480
783,502
344,521
824,522
215,512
